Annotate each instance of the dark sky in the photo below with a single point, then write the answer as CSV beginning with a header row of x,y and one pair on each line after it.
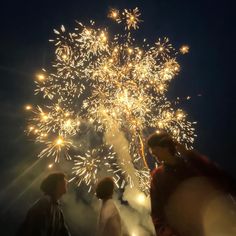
x,y
209,69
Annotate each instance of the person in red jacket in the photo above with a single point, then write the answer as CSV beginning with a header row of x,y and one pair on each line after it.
x,y
184,187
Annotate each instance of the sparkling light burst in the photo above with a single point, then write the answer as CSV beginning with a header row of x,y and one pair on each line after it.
x,y
86,167
184,49
109,82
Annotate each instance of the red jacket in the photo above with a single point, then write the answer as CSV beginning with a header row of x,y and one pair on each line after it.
x,y
166,179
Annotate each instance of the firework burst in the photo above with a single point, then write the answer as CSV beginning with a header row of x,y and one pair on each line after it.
x,y
86,168
110,82
57,148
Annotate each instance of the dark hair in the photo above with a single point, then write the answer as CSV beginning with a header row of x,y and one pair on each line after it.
x,y
49,184
161,139
105,188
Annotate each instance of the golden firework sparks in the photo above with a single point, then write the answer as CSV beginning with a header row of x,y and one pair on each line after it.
x,y
40,77
87,166
184,49
56,148
114,14
28,107
108,82
132,18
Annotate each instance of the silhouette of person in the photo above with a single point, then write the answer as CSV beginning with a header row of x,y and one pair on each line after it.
x,y
109,222
186,191
45,217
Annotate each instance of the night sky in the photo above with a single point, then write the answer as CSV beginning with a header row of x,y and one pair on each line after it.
x,y
209,70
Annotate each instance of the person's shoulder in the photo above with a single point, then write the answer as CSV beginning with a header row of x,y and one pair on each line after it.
x,y
44,200
42,203
110,203
107,211
194,156
157,171
110,207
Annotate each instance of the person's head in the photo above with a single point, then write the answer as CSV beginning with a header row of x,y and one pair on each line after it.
x,y
105,188
162,146
54,185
